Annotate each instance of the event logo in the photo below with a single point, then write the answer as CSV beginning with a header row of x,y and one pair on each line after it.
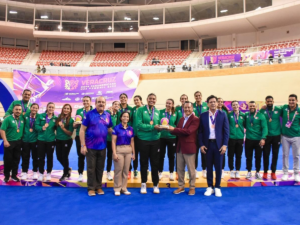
x,y
71,84
77,99
66,99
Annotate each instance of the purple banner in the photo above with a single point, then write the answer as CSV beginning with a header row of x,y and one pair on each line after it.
x,y
225,58
71,89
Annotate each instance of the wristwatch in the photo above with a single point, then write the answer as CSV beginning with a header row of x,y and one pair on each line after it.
x,y
83,146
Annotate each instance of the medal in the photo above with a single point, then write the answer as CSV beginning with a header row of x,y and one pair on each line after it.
x,y
212,126
270,120
18,124
23,113
18,130
270,116
32,120
199,110
213,121
289,123
236,119
236,125
23,107
151,114
151,122
30,130
47,121
252,119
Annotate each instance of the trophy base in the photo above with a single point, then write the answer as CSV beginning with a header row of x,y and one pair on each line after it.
x,y
78,122
164,126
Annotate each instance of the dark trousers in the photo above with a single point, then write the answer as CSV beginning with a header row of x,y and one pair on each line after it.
x,y
63,148
11,158
203,157
250,146
26,148
171,144
95,160
109,156
136,151
223,164
213,159
273,141
235,148
81,158
45,149
149,150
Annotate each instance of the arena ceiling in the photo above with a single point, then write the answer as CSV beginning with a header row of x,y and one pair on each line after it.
x,y
91,3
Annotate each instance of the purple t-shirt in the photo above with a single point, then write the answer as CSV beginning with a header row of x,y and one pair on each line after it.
x,y
97,129
123,135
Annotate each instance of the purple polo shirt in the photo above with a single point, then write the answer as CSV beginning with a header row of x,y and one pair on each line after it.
x,y
123,135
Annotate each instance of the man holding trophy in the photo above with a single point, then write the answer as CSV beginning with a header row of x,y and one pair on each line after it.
x,y
186,131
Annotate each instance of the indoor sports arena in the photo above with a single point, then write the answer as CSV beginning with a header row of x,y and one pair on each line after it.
x,y
149,111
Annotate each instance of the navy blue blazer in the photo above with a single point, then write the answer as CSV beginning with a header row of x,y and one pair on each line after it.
x,y
221,129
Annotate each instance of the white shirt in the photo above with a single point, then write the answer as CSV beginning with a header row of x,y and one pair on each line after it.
x,y
212,133
185,120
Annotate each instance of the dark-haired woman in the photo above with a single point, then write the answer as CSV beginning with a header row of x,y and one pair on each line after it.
x,y
45,126
148,132
29,142
124,106
138,103
64,141
123,152
223,108
167,139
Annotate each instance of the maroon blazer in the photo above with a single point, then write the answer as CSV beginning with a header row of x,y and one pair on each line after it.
x,y
187,136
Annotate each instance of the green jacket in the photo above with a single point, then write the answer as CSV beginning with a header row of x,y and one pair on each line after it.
x,y
146,131
172,122
61,135
10,126
236,132
17,102
28,136
259,130
197,109
274,126
114,122
129,109
80,113
47,135
294,130
134,119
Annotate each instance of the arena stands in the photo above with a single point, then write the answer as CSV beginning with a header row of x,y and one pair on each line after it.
x,y
225,51
171,57
113,59
13,56
280,45
57,57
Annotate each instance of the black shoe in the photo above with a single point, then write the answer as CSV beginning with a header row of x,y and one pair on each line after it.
x,y
15,178
69,172
64,177
6,179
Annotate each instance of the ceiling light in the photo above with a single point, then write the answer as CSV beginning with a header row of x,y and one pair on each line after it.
x,y
258,8
13,12
192,19
224,11
44,17
59,27
155,18
127,18
131,28
109,28
36,27
86,28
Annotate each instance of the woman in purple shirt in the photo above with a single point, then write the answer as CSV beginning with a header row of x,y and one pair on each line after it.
x,y
123,152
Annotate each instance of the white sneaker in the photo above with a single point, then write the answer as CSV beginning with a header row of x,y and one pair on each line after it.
x,y
48,177
218,192
24,176
172,177
80,178
232,174
187,176
197,175
258,176
41,177
237,175
209,191
222,176
156,190
204,173
249,175
285,177
159,176
35,176
109,176
144,188
117,193
126,193
297,177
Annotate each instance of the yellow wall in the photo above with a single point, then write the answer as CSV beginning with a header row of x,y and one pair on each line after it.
x,y
250,83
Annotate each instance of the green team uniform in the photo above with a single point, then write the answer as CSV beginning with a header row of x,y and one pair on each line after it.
x,y
236,132
172,122
294,130
28,136
18,102
259,130
47,135
134,119
114,122
10,126
80,113
129,109
274,126
146,131
61,135
199,109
